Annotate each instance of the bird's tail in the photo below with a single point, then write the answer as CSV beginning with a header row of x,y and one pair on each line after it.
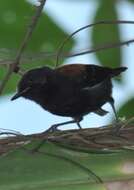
x,y
117,71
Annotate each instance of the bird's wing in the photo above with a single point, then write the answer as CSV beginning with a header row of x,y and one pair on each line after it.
x,y
89,73
98,89
71,69
84,74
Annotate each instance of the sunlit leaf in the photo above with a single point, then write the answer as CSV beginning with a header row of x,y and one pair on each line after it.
x,y
55,168
107,34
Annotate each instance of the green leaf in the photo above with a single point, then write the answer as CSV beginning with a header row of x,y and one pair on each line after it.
x,y
52,169
127,110
103,34
14,18
132,1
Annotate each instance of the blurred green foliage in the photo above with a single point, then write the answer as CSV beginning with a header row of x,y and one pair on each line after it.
x,y
127,110
103,34
22,169
14,18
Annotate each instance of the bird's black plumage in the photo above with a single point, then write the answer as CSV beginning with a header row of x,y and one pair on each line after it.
x,y
70,90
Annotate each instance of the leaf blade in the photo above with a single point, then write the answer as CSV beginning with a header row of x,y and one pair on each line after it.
x,y
107,34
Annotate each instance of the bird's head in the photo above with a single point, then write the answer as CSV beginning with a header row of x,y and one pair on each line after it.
x,y
31,83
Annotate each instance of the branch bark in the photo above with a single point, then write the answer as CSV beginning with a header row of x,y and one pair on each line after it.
x,y
103,139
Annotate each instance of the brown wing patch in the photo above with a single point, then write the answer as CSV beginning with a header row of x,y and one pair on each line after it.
x,y
72,69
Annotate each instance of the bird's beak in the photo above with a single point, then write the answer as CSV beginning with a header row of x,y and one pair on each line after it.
x,y
19,94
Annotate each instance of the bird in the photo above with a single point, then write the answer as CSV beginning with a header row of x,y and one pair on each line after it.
x,y
70,90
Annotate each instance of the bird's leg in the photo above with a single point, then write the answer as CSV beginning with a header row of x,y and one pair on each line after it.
x,y
78,124
78,120
54,127
117,125
113,108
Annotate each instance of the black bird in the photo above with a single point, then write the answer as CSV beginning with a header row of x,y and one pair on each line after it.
x,y
70,90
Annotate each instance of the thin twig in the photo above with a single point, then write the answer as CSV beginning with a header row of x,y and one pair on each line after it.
x,y
44,55
27,36
14,64
77,164
85,27
29,31
103,47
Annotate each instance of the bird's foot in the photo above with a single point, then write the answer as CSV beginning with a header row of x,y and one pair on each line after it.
x,y
52,129
117,125
116,129
78,120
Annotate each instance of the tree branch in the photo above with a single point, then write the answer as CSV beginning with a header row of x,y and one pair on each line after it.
x,y
23,45
14,65
103,47
92,140
105,22
46,55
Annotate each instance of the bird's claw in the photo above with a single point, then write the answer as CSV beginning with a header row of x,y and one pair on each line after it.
x,y
116,128
52,129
